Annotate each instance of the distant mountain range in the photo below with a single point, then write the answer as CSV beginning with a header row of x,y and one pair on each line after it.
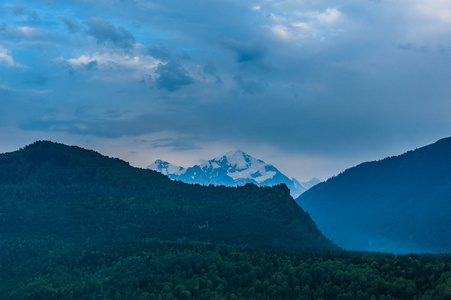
x,y
233,168
398,204
66,192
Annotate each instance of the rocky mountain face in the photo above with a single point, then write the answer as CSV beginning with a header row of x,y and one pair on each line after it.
x,y
233,168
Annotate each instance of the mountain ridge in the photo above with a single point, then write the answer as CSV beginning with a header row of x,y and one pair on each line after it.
x,y
50,189
397,204
232,168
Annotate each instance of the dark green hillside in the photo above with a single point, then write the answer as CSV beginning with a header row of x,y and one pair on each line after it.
x,y
49,189
77,225
399,204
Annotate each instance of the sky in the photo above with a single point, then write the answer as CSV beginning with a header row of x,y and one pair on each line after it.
x,y
310,86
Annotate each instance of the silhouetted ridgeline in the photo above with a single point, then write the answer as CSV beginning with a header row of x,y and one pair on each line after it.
x,y
78,225
398,204
69,192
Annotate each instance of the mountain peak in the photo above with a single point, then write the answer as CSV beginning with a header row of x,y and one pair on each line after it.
x,y
166,168
232,168
236,159
230,153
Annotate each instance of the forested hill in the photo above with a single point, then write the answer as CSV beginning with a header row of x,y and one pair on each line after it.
x,y
50,189
399,204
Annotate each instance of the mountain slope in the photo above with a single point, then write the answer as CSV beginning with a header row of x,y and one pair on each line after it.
x,y
49,189
234,168
166,168
398,204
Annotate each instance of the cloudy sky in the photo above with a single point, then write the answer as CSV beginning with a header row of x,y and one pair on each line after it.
x,y
310,86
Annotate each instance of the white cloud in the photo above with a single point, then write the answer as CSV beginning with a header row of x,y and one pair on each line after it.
x,y
114,66
422,23
294,22
438,11
4,86
8,60
108,61
302,25
330,16
5,58
281,32
21,31
28,31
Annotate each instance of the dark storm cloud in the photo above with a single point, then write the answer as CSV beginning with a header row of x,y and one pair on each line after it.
x,y
335,81
19,9
100,127
105,33
172,76
71,26
91,66
237,122
250,51
176,144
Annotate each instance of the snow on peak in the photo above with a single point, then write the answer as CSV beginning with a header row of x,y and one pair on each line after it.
x,y
229,152
232,168
241,166
166,168
234,158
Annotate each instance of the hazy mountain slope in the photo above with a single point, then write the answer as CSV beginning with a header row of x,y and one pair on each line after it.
x,y
233,168
49,189
399,204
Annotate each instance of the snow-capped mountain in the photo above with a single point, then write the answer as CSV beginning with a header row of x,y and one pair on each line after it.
x,y
232,168
166,168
